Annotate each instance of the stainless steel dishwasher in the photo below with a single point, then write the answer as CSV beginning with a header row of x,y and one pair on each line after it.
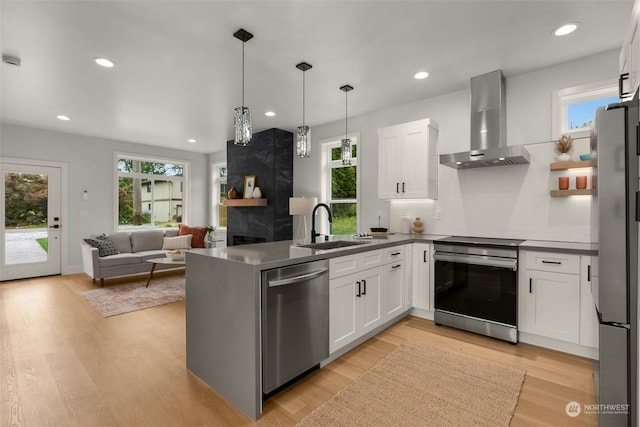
x,y
295,321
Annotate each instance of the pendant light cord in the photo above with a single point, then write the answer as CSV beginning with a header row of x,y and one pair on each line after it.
x,y
243,75
303,90
345,115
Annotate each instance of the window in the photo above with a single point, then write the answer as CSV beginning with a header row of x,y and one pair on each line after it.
x,y
574,108
220,194
342,188
150,192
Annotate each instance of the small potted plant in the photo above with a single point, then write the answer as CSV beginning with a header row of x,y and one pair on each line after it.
x,y
564,146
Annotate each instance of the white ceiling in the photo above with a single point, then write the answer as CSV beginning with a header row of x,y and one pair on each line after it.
x,y
178,66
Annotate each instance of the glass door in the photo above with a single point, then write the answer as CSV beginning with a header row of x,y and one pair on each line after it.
x,y
30,225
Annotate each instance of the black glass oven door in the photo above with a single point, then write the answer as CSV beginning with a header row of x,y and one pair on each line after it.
x,y
481,291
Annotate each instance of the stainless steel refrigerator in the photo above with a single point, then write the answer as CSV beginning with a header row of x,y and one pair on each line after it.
x,y
615,207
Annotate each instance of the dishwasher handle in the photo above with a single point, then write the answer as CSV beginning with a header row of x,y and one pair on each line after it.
x,y
298,279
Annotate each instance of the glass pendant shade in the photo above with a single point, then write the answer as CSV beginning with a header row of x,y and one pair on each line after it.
x,y
345,146
303,142
345,151
242,117
242,126
303,138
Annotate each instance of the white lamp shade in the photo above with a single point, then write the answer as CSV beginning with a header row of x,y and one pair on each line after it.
x,y
302,205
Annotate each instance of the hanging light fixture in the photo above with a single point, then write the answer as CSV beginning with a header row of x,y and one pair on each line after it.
x,y
242,118
345,146
303,140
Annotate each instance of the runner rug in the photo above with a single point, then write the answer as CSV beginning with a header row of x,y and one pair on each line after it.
x,y
421,384
112,300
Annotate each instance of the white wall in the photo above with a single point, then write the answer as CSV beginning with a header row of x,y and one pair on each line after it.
x,y
90,163
508,201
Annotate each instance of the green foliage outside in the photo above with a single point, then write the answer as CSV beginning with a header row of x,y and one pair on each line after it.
x,y
44,242
343,187
129,196
25,200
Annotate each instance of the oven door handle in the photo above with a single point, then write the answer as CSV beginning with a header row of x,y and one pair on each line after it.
x,y
478,260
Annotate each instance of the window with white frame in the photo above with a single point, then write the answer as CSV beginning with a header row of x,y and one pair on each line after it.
x,y
574,107
150,192
341,190
220,194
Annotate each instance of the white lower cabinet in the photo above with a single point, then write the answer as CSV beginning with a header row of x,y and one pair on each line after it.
x,y
355,306
555,297
420,276
374,291
551,305
393,289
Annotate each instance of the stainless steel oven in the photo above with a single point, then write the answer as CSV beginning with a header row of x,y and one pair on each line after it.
x,y
476,285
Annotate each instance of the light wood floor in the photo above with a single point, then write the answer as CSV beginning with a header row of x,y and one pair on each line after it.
x,y
62,364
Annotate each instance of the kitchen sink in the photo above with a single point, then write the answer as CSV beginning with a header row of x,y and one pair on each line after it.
x,y
335,244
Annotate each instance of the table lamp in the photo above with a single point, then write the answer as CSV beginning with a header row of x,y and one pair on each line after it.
x,y
302,206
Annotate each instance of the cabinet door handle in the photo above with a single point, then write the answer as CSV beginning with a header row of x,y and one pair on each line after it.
x,y
424,256
398,187
588,273
403,187
359,294
396,266
552,262
530,283
621,79
395,253
364,286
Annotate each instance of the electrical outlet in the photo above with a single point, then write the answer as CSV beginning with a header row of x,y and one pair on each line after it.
x,y
438,214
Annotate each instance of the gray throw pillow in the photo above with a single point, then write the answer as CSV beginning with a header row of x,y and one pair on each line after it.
x,y
104,244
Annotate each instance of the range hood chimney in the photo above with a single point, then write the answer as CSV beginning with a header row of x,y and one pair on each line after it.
x,y
488,128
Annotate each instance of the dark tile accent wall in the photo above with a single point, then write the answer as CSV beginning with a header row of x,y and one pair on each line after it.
x,y
269,156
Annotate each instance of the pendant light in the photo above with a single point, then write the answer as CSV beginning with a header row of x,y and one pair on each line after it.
x,y
345,146
242,118
303,139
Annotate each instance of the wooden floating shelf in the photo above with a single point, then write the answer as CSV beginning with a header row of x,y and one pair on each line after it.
x,y
245,202
565,193
558,166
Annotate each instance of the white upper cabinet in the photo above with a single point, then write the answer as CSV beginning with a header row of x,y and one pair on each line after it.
x,y
408,161
630,58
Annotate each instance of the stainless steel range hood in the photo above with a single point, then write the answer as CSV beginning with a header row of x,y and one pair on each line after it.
x,y
488,128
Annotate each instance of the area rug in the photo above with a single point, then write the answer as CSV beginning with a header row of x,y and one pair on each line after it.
x,y
112,300
421,384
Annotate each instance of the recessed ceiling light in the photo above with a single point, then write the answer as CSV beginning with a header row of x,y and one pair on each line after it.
x,y
63,117
104,62
192,141
421,75
565,29
269,114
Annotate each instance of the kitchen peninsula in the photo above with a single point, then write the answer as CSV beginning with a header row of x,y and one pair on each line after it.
x,y
224,297
223,310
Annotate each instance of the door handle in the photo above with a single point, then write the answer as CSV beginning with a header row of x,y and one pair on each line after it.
x,y
398,187
364,286
588,273
552,262
396,266
424,256
403,187
55,226
359,294
530,283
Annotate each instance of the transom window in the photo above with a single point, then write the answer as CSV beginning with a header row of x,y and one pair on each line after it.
x,y
574,108
150,192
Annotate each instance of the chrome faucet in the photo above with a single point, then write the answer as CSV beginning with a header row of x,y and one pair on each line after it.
x,y
313,220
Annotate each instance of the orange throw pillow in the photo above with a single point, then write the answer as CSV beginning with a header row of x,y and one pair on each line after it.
x,y
197,234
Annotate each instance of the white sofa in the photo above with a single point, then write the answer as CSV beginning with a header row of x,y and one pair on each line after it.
x,y
134,248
